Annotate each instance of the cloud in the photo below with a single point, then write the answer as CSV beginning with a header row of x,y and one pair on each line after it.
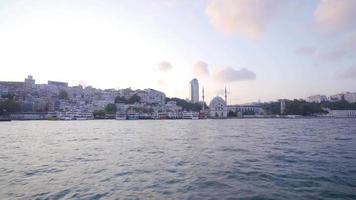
x,y
200,69
229,74
244,17
343,48
350,73
164,66
332,16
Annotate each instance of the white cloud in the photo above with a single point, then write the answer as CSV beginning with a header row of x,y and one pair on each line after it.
x,y
332,16
343,48
244,17
200,69
164,66
229,74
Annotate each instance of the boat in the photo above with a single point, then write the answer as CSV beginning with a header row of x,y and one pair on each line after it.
x,y
132,116
5,118
75,115
83,116
190,115
66,115
120,116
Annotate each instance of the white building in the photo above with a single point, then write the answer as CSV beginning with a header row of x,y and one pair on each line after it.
x,y
257,110
194,91
350,97
336,97
172,106
343,113
218,108
151,96
317,99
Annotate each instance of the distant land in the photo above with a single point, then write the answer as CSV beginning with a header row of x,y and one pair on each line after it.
x,y
57,100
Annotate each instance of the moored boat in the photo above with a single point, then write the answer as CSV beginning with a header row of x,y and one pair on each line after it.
x,y
190,115
132,116
120,116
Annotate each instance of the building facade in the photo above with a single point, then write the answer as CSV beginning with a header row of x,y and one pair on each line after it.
x,y
218,108
350,97
317,99
343,113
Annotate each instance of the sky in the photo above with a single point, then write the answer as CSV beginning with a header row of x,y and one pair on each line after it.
x,y
258,49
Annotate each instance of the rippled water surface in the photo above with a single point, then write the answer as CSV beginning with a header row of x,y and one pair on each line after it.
x,y
182,159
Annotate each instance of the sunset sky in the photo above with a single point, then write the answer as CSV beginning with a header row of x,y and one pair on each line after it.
x,y
258,49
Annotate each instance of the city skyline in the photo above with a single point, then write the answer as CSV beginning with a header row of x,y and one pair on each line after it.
x,y
279,49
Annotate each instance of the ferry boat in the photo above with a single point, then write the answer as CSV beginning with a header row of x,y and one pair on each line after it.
x,y
132,116
75,115
120,116
83,116
66,115
5,118
190,115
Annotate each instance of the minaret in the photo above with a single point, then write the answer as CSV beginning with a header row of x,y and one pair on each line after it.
x,y
225,96
203,100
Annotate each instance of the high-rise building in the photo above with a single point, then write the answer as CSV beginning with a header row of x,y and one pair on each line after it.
x,y
194,91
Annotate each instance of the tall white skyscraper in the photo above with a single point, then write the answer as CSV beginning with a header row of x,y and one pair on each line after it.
x,y
194,91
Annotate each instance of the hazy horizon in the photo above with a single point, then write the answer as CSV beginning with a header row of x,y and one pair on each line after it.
x,y
263,49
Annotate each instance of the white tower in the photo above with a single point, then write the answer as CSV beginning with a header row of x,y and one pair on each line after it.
x,y
194,91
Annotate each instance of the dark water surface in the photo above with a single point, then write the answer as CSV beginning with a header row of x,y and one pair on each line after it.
x,y
182,159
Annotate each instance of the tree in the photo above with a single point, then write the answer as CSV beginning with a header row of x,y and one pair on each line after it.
x,y
99,114
110,108
63,95
273,108
119,99
133,99
187,105
9,106
339,105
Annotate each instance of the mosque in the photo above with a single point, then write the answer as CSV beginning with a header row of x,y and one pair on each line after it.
x,y
218,107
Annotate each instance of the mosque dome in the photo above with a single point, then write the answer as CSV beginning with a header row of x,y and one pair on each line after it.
x,y
217,101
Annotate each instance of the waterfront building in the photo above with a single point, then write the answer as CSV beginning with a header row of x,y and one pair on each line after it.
x,y
243,109
350,97
194,91
342,113
336,97
317,99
